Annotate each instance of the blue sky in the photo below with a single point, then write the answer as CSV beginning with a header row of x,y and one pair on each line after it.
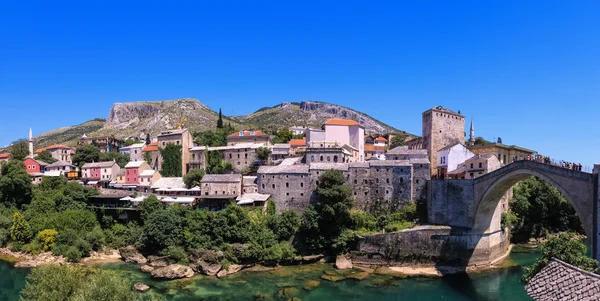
x,y
527,71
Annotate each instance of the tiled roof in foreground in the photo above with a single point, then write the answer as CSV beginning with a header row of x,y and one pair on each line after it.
x,y
561,281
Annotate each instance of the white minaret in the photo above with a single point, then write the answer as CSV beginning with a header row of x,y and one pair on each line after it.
x,y
472,134
30,143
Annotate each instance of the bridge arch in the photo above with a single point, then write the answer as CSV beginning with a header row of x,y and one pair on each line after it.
x,y
576,187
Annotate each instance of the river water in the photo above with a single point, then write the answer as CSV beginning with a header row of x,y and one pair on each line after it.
x,y
282,284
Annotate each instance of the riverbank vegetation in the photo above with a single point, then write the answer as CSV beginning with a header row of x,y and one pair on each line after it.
x,y
54,216
538,209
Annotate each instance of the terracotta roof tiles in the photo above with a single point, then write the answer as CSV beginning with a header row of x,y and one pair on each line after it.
x,y
338,121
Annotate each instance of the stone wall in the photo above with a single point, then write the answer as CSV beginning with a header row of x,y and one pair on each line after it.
x,y
240,158
450,202
289,191
441,127
431,245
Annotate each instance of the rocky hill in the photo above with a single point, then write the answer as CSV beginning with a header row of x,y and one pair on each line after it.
x,y
311,114
135,119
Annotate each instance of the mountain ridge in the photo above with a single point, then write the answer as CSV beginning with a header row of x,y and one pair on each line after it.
x,y
137,118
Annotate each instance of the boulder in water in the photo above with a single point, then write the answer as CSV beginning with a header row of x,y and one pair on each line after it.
x,y
173,271
231,269
343,263
147,269
131,254
158,262
209,269
141,287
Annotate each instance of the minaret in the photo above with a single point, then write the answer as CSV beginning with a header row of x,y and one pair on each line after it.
x,y
30,143
472,134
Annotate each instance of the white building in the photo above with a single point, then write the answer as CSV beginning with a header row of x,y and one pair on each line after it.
x,y
343,132
298,130
59,168
134,151
450,157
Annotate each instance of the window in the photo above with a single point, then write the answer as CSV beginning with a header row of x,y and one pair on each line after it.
x,y
377,180
312,158
366,181
401,180
471,165
301,184
230,156
164,143
273,186
238,156
193,156
263,186
480,165
377,191
287,194
287,184
301,194
223,192
321,158
355,181
387,181
387,192
504,159
366,193
471,174
417,181
317,183
335,158
355,193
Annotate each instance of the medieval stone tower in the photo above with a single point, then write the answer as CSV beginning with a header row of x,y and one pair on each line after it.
x,y
441,127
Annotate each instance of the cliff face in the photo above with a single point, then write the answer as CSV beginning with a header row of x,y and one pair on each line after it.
x,y
311,114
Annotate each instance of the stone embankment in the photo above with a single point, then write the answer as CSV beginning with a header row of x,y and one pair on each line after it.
x,y
25,260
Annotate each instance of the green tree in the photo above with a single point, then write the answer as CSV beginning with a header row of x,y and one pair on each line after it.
x,y
148,140
46,239
399,140
45,156
220,120
212,138
150,205
20,230
15,184
565,247
263,153
86,154
148,158
323,225
283,136
193,177
215,165
171,164
541,209
19,149
164,228
480,141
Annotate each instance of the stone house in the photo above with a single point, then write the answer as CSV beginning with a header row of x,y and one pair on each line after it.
x,y
505,153
327,152
476,166
288,185
181,137
59,152
374,152
135,151
346,132
450,157
250,184
147,178
198,157
380,141
297,146
280,151
405,153
105,143
252,136
221,186
441,127
297,130
241,156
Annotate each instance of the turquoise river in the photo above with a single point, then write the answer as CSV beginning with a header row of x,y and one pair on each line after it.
x,y
282,284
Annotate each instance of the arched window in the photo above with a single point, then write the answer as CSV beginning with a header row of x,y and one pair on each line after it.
x,y
335,159
321,158
312,158
328,158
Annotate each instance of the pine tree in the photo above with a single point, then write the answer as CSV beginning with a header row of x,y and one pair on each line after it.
x,y
147,138
220,121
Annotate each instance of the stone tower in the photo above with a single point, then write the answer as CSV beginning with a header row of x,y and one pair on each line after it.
x,y
441,127
472,134
30,143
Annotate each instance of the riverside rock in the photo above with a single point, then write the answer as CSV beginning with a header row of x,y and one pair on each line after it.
x,y
232,269
173,271
158,262
210,256
147,269
208,268
131,254
141,287
343,263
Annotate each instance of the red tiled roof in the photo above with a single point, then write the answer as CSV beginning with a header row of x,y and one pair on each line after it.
x,y
298,142
247,133
381,139
39,150
55,146
337,121
373,148
152,147
4,155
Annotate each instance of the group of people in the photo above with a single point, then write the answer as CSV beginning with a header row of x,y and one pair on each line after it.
x,y
562,163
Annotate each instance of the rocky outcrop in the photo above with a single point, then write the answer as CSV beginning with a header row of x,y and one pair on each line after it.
x,y
343,263
174,271
158,262
208,268
131,254
24,260
141,287
210,256
232,269
147,269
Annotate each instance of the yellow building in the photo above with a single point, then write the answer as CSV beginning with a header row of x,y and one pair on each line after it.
x,y
505,153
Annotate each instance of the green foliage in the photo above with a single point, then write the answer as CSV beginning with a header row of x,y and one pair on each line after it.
x,y
399,140
15,184
284,225
397,226
508,219
120,235
176,254
193,177
45,156
130,142
164,228
541,209
148,158
70,244
171,165
407,213
480,141
325,223
213,138
60,283
20,230
33,248
563,247
263,153
271,210
214,164
220,120
121,159
19,149
86,154
284,136
150,205
47,238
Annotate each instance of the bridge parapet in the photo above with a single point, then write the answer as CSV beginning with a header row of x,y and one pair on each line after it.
x,y
540,167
